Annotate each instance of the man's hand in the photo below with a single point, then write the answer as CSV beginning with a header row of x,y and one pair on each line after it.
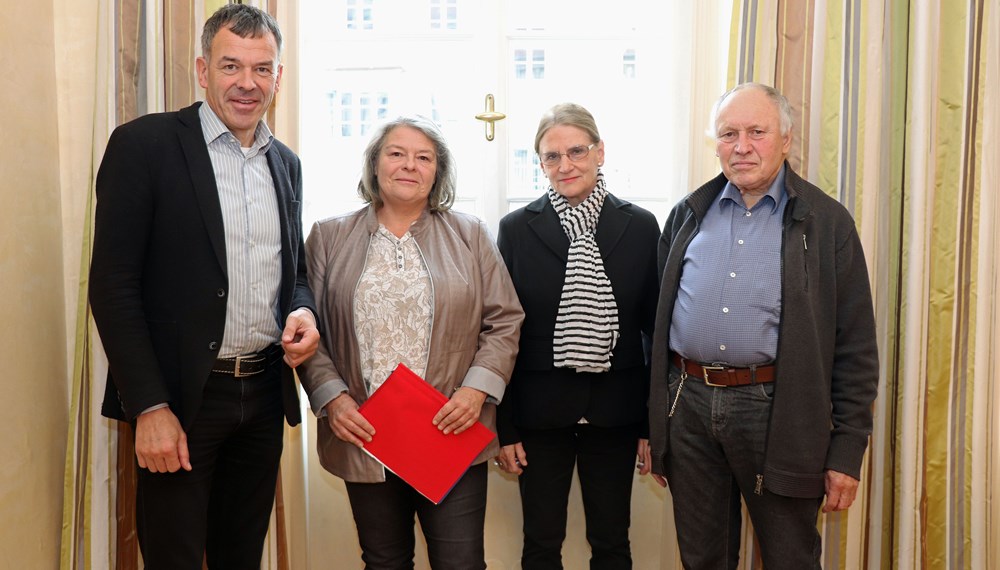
x,y
160,443
300,337
347,422
512,458
461,411
643,458
841,490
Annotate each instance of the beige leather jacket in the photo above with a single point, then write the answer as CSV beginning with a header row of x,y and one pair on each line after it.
x,y
474,332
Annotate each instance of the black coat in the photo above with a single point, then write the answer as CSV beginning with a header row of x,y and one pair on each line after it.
x,y
158,283
535,247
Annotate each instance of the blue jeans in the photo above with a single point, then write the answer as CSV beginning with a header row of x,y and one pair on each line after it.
x,y
717,442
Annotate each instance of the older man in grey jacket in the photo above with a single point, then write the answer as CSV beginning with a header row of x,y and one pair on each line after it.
x,y
765,362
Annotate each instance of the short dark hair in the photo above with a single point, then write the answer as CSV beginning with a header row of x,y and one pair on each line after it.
x,y
442,194
242,20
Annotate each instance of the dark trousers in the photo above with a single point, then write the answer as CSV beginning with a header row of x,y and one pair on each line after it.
x,y
717,440
383,513
605,459
219,509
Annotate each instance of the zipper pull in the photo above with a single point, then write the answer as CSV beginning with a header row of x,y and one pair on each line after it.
x,y
759,489
804,246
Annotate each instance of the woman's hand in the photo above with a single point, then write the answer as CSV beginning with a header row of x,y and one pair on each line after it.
x,y
461,411
346,422
512,458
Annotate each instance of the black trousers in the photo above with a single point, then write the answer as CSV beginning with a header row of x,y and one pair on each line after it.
x,y
221,508
453,529
604,458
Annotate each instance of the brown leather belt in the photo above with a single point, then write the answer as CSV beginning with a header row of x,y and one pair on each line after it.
x,y
722,376
249,364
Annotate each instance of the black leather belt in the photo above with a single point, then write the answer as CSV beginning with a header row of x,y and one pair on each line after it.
x,y
724,376
248,364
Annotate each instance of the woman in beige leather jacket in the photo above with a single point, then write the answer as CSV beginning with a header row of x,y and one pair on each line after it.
x,y
407,280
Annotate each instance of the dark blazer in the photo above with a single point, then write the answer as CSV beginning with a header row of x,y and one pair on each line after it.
x,y
158,283
535,248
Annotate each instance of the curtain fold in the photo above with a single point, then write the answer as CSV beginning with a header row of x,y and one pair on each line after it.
x,y
87,511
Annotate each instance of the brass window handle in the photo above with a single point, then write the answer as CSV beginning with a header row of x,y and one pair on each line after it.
x,y
490,117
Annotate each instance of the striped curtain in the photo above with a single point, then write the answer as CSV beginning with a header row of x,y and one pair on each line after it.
x,y
896,114
145,63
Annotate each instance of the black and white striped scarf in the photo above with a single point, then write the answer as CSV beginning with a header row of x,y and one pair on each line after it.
x,y
587,322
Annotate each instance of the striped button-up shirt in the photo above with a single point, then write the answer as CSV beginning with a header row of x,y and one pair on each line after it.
x,y
253,235
729,302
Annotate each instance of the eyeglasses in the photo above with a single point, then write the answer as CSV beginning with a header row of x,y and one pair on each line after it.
x,y
575,154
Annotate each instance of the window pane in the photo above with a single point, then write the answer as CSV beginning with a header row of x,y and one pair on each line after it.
x,y
555,50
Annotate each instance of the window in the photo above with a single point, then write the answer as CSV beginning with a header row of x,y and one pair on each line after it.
x,y
357,118
527,173
444,14
420,59
628,64
359,14
537,63
520,69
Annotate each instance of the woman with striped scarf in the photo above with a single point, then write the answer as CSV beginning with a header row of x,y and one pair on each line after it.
x,y
584,265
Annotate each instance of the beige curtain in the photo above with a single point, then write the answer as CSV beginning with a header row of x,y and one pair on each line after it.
x,y
895,105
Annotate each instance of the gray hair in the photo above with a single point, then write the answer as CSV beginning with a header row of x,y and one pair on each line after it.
x,y
779,100
442,194
567,114
244,21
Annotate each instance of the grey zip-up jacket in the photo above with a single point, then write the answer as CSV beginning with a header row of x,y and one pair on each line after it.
x,y
474,333
827,357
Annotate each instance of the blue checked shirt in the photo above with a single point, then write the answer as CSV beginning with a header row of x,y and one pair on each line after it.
x,y
729,302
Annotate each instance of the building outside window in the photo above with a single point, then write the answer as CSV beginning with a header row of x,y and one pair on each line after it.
x,y
357,113
359,14
628,64
444,14
538,64
440,58
522,64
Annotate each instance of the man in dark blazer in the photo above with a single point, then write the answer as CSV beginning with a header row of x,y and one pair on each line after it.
x,y
199,293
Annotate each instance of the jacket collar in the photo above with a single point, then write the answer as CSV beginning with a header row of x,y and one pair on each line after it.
x,y
610,227
798,205
371,221
192,141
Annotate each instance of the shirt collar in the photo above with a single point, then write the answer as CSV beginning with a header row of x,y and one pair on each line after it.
x,y
776,192
213,128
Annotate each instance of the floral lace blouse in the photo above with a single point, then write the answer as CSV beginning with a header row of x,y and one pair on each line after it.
x,y
393,308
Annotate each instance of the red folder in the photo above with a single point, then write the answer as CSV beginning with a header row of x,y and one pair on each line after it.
x,y
409,445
